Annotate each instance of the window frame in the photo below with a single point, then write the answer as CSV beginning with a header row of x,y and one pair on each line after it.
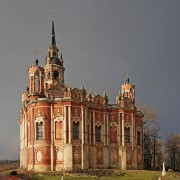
x,y
127,135
97,134
138,138
55,75
55,134
41,137
76,130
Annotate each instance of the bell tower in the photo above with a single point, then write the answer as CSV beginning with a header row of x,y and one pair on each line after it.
x,y
126,97
54,69
36,75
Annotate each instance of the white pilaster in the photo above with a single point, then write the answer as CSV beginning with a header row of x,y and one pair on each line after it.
x,y
119,129
122,129
85,124
104,129
94,140
82,114
64,125
52,138
33,132
132,130
70,126
108,129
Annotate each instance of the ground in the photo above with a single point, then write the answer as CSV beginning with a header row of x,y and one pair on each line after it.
x,y
104,174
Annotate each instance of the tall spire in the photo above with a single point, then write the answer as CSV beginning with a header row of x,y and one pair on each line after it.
x,y
127,78
53,38
61,54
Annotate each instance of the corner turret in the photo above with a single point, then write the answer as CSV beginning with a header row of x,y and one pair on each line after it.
x,y
126,97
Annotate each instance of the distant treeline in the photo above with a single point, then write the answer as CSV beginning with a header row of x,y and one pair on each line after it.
x,y
6,161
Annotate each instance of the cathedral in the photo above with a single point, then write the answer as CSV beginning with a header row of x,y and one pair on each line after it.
x,y
65,128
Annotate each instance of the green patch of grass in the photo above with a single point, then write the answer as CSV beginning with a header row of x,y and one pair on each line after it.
x,y
134,175
141,175
115,175
125,175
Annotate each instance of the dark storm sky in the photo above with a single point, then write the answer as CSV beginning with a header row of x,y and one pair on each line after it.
x,y
101,41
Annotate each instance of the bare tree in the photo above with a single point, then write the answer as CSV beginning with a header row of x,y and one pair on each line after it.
x,y
150,135
172,150
150,115
159,153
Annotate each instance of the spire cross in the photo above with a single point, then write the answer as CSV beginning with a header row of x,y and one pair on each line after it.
x,y
52,15
127,78
61,52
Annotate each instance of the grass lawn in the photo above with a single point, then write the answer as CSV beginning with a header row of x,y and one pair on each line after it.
x,y
122,175
116,175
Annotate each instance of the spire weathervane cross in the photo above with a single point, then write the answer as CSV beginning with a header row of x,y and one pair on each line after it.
x,y
52,14
127,78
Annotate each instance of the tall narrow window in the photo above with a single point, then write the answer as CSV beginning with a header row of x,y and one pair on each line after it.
x,y
76,130
36,82
54,53
138,138
58,130
127,135
98,133
56,75
39,131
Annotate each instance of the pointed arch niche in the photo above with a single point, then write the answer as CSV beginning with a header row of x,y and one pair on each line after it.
x,y
58,126
113,132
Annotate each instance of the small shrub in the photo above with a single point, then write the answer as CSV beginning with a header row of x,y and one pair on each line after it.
x,y
170,170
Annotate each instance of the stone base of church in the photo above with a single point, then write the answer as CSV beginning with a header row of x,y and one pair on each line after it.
x,y
43,167
68,157
93,157
58,167
106,157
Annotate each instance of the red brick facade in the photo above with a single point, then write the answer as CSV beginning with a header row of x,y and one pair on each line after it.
x,y
67,128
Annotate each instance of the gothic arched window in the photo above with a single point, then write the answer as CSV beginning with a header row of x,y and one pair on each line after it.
x,y
56,75
39,130
58,130
98,133
76,130
36,82
113,134
127,135
138,138
54,53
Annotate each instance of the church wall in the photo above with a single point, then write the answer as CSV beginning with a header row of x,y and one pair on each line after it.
x,y
42,158
93,157
68,157
106,158
85,156
105,154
